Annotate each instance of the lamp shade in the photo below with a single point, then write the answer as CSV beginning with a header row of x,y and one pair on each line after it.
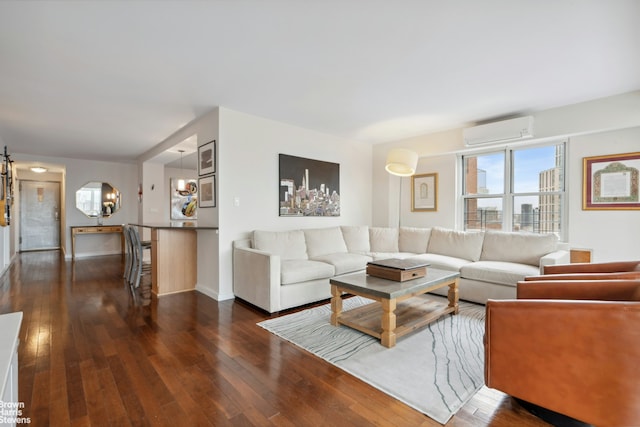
x,y
401,162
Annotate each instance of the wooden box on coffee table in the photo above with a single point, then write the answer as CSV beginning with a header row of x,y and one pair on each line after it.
x,y
398,270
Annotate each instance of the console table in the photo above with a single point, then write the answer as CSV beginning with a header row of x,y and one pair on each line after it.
x,y
94,229
9,337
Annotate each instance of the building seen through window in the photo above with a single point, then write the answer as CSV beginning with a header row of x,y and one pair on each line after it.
x,y
515,189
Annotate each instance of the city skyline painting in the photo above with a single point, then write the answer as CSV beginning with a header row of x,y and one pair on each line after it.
x,y
308,187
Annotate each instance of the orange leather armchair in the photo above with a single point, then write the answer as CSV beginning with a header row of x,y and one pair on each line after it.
x,y
570,346
591,271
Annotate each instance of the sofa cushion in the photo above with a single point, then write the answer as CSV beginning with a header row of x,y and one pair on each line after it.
x,y
457,244
356,238
286,244
300,270
442,262
524,248
383,239
323,241
504,273
345,263
414,239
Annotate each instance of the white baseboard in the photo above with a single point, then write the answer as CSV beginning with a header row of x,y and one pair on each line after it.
x,y
213,294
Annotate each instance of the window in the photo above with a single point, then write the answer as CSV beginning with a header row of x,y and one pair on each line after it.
x,y
518,189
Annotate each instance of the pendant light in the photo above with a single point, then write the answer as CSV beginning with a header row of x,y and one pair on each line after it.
x,y
181,183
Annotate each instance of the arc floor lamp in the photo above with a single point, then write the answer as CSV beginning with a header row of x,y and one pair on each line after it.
x,y
401,162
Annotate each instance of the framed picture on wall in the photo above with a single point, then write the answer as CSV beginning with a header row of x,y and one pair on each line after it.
x,y
611,182
207,158
184,199
424,192
308,187
207,197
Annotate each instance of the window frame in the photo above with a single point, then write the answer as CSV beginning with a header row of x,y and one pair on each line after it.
x,y
508,195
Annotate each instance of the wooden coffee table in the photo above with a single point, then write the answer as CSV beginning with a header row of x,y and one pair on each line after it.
x,y
401,308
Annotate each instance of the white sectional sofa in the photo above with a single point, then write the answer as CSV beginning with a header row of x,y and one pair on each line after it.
x,y
277,270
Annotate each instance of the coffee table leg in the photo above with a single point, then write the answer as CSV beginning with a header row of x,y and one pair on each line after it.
x,y
336,304
452,296
388,337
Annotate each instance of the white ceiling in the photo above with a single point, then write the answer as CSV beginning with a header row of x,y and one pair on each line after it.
x,y
108,80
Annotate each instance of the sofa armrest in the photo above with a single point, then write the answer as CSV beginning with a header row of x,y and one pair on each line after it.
x,y
578,358
605,290
256,277
557,257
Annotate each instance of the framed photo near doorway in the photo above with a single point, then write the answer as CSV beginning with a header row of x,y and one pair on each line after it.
x,y
424,192
207,158
184,200
207,192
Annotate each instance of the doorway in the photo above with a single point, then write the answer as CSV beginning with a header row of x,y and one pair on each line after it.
x,y
39,215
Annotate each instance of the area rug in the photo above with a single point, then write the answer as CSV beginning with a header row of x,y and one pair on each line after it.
x,y
435,370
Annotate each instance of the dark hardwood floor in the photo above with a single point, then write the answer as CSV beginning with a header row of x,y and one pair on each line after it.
x,y
92,355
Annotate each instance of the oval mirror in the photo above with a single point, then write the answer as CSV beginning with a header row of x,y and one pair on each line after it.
x,y
98,199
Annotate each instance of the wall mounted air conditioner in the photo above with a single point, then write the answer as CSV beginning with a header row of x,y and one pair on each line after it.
x,y
502,131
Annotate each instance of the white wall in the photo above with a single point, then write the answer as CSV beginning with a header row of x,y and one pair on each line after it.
x,y
448,177
437,154
119,175
613,235
606,126
248,164
155,208
174,173
247,171
154,190
123,176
